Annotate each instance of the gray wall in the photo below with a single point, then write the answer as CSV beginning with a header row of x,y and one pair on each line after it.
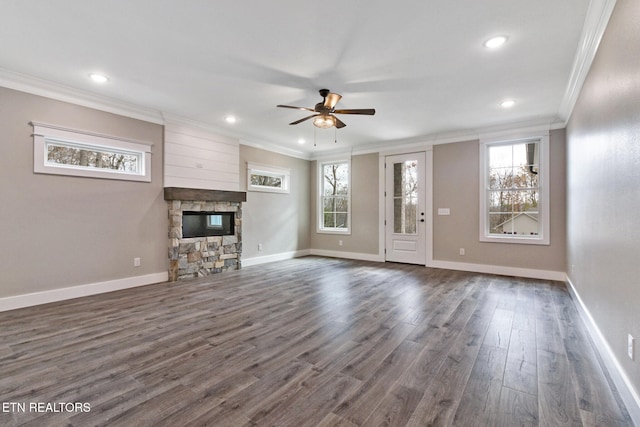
x,y
280,222
603,156
364,209
60,231
455,186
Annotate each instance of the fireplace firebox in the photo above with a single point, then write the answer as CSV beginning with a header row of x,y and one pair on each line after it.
x,y
204,224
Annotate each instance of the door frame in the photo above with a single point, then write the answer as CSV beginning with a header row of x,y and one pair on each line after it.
x,y
428,185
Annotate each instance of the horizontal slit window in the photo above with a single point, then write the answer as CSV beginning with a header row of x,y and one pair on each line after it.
x,y
61,151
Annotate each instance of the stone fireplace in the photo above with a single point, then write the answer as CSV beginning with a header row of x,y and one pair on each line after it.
x,y
205,254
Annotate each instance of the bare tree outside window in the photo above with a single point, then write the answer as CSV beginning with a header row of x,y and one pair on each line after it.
x,y
335,196
266,181
405,197
513,189
71,155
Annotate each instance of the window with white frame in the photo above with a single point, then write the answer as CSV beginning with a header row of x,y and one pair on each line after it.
x,y
61,151
514,190
334,202
268,178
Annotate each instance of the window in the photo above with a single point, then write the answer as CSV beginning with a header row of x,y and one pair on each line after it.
x,y
405,197
514,191
62,151
334,213
267,178
214,221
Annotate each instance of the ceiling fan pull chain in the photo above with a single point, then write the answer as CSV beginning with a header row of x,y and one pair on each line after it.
x,y
335,135
314,136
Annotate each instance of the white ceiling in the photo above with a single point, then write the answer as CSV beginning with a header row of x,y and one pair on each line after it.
x,y
420,64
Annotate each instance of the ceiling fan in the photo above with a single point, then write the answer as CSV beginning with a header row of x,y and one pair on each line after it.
x,y
325,111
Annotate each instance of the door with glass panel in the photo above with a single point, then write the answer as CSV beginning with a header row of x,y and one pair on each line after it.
x,y
405,219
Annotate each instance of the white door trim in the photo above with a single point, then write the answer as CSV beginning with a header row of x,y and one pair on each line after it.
x,y
400,246
428,178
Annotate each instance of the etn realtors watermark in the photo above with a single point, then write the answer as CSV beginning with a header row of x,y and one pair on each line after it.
x,y
44,407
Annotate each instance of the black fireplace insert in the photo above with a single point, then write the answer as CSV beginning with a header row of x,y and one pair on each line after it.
x,y
202,224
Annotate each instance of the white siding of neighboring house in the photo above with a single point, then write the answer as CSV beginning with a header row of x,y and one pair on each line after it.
x,y
522,223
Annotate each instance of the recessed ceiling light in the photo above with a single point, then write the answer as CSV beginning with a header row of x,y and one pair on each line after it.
x,y
98,78
508,103
230,119
495,42
301,141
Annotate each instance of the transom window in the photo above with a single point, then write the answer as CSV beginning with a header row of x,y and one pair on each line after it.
x,y
84,156
61,151
334,214
268,178
514,191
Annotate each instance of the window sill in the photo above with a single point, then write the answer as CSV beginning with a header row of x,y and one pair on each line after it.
x,y
516,240
333,231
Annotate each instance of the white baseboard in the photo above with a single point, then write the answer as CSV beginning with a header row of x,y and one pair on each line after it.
x,y
348,255
44,297
248,262
629,395
450,265
500,270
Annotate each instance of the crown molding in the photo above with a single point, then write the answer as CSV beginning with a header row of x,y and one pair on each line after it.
x,y
424,142
59,92
595,24
279,149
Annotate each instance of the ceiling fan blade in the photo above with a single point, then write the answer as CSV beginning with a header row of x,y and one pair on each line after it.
x,y
339,123
365,111
331,100
303,119
296,108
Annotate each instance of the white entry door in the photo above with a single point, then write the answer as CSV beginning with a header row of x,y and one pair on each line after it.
x,y
405,219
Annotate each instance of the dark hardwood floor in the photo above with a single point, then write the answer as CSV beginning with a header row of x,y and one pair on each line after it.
x,y
306,342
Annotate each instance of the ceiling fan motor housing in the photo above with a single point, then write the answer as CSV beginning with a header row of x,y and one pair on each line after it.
x,y
320,108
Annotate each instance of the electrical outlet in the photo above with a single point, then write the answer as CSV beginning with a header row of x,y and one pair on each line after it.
x,y
461,251
136,262
259,247
339,242
630,342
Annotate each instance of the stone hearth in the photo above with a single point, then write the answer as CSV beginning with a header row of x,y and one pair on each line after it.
x,y
201,256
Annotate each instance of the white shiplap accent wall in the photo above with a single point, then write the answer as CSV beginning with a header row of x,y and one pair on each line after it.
x,y
197,158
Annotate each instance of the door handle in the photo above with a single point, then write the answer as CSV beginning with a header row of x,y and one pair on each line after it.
x,y
422,220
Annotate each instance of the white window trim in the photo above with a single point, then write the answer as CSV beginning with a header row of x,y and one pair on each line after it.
x,y
258,169
44,133
320,211
543,183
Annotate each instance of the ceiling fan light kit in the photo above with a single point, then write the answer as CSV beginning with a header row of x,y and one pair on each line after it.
x,y
324,117
324,122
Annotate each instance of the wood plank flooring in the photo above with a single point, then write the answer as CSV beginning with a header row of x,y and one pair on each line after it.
x,y
310,342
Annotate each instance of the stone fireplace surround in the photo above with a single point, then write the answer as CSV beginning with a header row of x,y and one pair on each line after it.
x,y
201,256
